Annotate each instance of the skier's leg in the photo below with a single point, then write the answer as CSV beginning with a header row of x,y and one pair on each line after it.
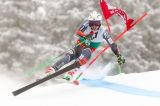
x,y
66,59
80,53
77,52
76,75
60,63
85,56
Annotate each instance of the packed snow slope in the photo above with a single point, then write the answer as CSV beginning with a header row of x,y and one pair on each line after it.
x,y
137,89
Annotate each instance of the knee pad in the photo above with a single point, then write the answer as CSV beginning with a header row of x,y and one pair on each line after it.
x,y
83,61
85,56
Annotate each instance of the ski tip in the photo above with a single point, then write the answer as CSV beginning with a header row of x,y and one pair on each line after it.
x,y
75,82
14,93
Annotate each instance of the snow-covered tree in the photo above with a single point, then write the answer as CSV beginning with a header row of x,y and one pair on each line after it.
x,y
31,31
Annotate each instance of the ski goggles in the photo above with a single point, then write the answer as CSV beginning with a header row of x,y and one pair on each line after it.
x,y
94,23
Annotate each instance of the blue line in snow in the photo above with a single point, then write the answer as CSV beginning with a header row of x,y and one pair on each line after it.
x,y
121,88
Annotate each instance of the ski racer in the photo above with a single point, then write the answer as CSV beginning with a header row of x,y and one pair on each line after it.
x,y
90,35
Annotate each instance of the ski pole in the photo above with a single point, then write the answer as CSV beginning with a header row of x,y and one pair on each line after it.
x,y
77,78
120,68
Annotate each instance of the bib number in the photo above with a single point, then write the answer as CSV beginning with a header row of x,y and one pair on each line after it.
x,y
94,36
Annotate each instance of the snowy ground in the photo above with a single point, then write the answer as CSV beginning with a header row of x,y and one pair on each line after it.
x,y
138,89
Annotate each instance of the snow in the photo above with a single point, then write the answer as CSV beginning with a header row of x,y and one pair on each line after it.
x,y
136,89
39,26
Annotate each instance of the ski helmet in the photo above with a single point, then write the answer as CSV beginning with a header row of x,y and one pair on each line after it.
x,y
95,19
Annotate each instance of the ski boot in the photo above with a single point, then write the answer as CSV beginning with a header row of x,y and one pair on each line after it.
x,y
73,76
77,78
49,71
69,75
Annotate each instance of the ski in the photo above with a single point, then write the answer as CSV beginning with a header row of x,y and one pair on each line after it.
x,y
25,88
117,38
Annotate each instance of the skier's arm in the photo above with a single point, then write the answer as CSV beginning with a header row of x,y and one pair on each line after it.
x,y
80,31
113,45
82,35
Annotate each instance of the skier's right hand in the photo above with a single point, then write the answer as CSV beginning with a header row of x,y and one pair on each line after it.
x,y
89,35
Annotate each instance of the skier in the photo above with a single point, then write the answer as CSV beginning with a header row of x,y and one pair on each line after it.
x,y
91,33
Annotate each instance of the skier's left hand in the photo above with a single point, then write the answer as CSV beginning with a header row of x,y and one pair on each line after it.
x,y
120,60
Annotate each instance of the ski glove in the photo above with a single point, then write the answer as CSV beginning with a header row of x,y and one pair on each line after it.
x,y
89,35
120,59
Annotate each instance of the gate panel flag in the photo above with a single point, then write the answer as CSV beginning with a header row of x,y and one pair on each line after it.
x,y
109,11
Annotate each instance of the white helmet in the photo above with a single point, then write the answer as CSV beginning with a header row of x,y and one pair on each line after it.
x,y
95,17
